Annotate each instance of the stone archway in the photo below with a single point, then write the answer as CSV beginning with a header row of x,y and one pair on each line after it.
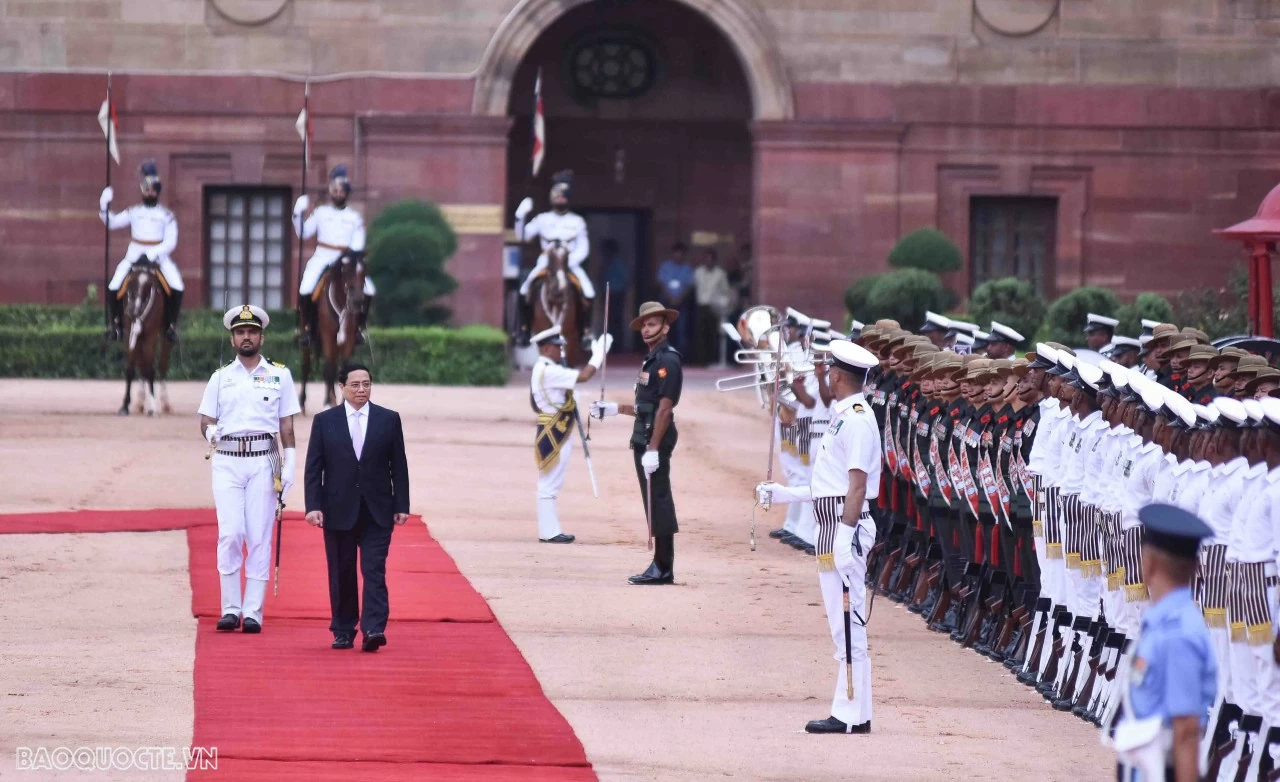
x,y
741,22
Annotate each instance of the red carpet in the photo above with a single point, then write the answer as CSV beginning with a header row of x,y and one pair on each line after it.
x,y
449,698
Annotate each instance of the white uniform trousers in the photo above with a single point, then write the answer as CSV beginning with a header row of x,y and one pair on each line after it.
x,y
167,267
549,483
245,497
584,279
315,267
858,710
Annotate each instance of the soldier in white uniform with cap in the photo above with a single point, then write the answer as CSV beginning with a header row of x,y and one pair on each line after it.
x,y
153,235
1099,330
1003,341
558,225
846,476
551,387
338,229
247,404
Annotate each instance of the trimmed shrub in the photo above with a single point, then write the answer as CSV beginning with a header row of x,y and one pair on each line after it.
x,y
1147,306
857,296
928,249
475,355
1066,318
1011,301
905,295
409,244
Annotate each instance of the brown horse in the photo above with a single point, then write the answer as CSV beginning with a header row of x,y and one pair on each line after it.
x,y
340,297
557,300
143,324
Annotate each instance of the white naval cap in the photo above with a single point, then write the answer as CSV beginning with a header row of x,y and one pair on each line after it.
x,y
964,339
1090,375
1231,410
818,323
852,357
1046,357
1153,397
1137,380
1093,321
1118,374
1254,408
855,325
935,322
960,325
1067,360
1150,324
1179,406
797,317
1271,409
245,315
1121,344
1205,414
548,336
1002,333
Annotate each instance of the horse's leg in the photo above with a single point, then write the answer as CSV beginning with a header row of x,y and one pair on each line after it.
x,y
149,374
128,387
163,372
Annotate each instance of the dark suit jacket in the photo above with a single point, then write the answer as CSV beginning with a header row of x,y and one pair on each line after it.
x,y
336,483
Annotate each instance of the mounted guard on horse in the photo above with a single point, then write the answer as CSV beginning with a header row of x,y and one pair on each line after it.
x,y
153,238
339,233
563,237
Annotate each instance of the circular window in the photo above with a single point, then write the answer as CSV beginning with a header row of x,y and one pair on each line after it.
x,y
612,65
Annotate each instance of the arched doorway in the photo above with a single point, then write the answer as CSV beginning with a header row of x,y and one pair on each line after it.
x,y
649,105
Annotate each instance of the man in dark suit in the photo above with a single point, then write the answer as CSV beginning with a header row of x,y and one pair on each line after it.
x,y
357,483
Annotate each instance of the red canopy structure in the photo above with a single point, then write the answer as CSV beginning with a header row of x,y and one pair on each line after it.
x,y
1259,236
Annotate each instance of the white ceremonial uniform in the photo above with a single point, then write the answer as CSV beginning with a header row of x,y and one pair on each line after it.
x,y
798,466
153,234
1085,592
571,231
550,383
1042,463
1218,491
245,403
1142,468
851,442
1251,542
335,230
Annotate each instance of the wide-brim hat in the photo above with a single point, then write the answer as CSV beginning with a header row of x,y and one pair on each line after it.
x,y
650,308
1228,354
1248,366
1265,375
245,315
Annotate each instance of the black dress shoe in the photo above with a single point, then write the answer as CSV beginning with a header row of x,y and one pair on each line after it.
x,y
833,725
797,542
787,537
228,622
373,642
561,538
344,640
777,533
652,576
251,626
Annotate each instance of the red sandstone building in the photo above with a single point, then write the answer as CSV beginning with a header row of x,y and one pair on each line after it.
x,y
1066,141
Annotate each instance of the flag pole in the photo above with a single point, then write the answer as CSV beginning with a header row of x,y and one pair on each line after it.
x,y
106,223
306,158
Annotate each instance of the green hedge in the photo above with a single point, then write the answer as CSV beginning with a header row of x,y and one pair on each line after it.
x,y
56,344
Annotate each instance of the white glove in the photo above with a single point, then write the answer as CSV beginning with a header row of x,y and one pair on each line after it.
x,y
843,552
649,462
602,410
287,469
211,433
764,495
779,494
525,207
599,349
301,204
108,195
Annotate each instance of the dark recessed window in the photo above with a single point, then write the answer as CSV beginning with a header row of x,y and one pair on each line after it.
x,y
1012,237
611,65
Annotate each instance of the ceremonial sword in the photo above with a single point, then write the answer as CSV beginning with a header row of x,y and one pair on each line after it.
x,y
586,450
279,486
848,643
773,431
604,364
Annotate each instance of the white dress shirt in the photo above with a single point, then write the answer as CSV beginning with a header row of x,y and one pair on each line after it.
x,y
851,442
249,402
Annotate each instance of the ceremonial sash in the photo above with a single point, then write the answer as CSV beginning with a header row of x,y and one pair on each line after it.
x,y
1002,484
921,474
890,453
939,470
970,489
553,430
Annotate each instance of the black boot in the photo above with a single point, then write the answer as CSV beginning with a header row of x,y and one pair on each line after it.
x,y
115,328
525,327
172,307
661,570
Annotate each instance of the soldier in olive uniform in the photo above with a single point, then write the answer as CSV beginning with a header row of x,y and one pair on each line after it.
x,y
654,436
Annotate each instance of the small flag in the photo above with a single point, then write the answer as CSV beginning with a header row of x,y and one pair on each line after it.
x,y
109,124
539,126
303,126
